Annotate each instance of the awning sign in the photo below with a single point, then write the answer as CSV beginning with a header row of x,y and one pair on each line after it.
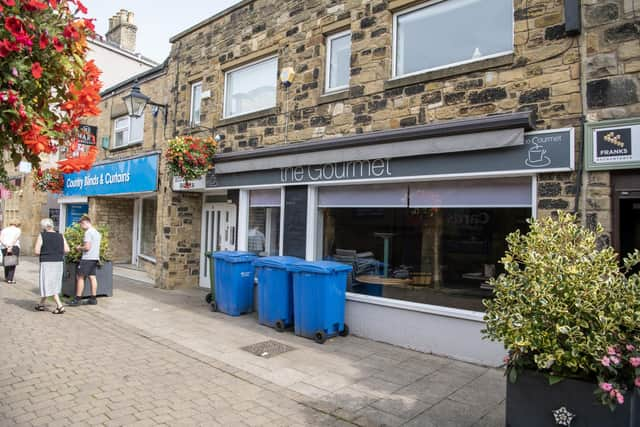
x,y
136,175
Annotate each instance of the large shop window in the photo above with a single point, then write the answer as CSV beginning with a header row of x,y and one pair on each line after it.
x,y
430,37
264,222
251,88
434,243
338,61
148,228
128,130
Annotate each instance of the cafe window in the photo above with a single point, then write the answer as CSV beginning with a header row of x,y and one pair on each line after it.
x,y
429,36
196,100
148,228
338,61
127,130
263,237
434,243
251,87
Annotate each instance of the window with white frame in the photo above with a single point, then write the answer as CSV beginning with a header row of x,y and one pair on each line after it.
x,y
263,236
196,99
127,130
445,33
338,61
251,87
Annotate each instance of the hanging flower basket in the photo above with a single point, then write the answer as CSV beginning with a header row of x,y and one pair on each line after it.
x,y
190,157
48,180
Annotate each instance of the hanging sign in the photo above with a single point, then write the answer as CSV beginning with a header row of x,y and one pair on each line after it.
x,y
87,135
613,144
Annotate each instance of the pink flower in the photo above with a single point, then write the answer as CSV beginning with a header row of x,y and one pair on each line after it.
x,y
615,360
635,361
619,398
630,347
506,359
612,393
605,361
611,351
637,382
607,387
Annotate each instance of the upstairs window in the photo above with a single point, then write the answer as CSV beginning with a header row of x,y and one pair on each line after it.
x,y
196,99
338,61
446,33
251,87
128,130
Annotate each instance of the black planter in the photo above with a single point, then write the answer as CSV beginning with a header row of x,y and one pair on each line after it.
x,y
104,275
531,402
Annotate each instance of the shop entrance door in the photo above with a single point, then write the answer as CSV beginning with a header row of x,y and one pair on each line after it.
x,y
218,234
626,212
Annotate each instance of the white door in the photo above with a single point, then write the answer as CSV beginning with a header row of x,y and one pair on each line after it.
x,y
218,234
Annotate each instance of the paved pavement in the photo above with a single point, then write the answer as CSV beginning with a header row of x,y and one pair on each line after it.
x,y
152,357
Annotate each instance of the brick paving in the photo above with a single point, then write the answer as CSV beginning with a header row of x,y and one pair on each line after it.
x,y
154,357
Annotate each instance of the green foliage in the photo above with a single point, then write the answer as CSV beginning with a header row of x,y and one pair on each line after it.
x,y
75,237
562,301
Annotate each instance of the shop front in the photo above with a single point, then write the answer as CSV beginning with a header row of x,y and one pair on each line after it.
x,y
420,213
614,146
122,195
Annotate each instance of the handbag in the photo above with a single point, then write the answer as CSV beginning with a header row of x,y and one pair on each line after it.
x,y
10,260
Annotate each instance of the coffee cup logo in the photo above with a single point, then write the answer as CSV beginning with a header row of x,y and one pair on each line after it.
x,y
536,157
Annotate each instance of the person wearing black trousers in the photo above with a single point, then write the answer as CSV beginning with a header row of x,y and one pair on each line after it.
x,y
10,241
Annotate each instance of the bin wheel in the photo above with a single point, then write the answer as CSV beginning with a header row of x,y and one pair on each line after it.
x,y
214,306
279,325
345,331
208,298
320,337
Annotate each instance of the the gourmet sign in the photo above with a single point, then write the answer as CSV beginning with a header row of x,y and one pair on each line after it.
x,y
356,169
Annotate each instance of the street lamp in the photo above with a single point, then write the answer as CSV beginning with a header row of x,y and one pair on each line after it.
x,y
136,101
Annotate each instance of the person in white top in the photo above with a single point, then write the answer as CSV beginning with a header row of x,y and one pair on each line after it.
x,y
10,244
88,264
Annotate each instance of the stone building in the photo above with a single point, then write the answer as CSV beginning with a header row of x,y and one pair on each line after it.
x,y
403,146
116,57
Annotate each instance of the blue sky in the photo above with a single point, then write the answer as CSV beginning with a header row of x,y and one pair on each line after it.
x,y
157,20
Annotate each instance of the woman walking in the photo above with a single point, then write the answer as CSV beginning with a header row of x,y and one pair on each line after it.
x,y
51,246
10,244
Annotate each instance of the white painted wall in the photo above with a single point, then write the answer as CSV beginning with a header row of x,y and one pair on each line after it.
x,y
454,337
115,64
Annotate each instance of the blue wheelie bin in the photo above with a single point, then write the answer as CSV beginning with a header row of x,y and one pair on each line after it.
x,y
319,295
275,291
233,282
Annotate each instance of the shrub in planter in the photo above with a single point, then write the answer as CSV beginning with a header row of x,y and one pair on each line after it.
x,y
565,309
75,236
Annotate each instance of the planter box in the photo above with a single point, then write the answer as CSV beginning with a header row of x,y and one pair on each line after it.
x,y
104,276
531,402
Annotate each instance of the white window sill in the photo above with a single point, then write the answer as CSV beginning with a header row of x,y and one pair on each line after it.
x,y
437,310
147,258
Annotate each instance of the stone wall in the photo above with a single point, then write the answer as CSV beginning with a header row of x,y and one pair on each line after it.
x,y
611,74
117,215
542,75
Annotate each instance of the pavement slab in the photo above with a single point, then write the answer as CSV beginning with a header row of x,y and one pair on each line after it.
x,y
148,356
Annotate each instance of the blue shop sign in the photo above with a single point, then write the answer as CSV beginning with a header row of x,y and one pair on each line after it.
x,y
137,175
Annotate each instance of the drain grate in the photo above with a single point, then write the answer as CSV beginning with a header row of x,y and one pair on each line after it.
x,y
267,349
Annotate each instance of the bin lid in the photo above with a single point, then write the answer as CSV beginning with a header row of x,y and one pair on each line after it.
x,y
277,261
320,267
235,256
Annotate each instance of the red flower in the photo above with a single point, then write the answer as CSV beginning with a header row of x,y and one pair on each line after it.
x,y
70,32
57,44
44,41
33,5
81,7
14,25
9,2
36,70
